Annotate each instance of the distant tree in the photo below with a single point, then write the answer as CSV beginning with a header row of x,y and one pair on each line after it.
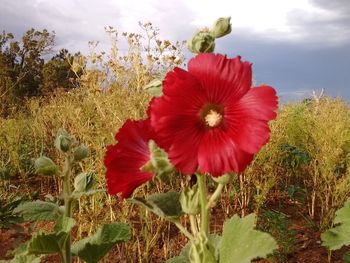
x,y
21,65
35,45
57,73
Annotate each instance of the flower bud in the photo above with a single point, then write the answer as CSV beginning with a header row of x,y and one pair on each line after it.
x,y
222,27
154,88
189,200
201,42
45,166
63,141
81,152
159,163
223,179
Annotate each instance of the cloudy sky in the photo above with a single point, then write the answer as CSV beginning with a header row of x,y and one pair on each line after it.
x,y
295,45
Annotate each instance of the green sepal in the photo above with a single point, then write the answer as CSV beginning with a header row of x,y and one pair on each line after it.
x,y
221,27
184,256
63,140
159,164
201,42
202,250
189,199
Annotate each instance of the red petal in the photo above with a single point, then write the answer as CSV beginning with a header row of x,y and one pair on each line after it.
x,y
222,78
124,160
249,118
175,120
219,154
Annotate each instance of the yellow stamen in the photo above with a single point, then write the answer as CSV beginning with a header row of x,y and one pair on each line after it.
x,y
213,118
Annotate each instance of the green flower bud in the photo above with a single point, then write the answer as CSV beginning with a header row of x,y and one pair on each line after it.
x,y
201,42
63,141
81,152
223,179
154,88
189,200
45,166
159,163
202,250
83,182
222,27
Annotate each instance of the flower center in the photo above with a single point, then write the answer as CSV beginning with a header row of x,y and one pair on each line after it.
x,y
213,118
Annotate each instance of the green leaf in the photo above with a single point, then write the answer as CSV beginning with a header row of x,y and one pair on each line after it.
x,y
242,243
64,224
93,248
154,88
23,259
21,256
165,205
83,182
184,255
346,257
44,243
338,236
38,210
77,195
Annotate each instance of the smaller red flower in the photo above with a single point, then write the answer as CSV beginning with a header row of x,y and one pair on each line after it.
x,y
124,160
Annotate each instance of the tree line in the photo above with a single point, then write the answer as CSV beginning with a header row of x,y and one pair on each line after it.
x,y
29,67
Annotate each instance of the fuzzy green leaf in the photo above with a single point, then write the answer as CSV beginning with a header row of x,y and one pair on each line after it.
x,y
38,210
242,243
93,248
165,205
44,243
83,182
338,236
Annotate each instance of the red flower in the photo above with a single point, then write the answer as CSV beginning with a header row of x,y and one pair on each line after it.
x,y
210,118
124,159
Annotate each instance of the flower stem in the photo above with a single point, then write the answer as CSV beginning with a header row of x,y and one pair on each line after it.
x,y
183,230
67,257
194,226
215,196
202,187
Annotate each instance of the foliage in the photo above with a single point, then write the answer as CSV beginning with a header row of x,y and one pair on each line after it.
x,y
238,231
277,224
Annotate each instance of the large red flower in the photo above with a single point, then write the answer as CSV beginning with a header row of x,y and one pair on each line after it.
x,y
210,117
124,159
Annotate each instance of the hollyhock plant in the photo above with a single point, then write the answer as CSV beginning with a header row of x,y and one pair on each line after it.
x,y
210,118
125,159
207,120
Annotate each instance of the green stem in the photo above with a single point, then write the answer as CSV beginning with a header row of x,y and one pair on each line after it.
x,y
194,226
183,230
215,196
67,257
202,187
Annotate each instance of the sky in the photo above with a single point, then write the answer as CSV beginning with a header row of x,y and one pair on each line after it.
x,y
296,46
